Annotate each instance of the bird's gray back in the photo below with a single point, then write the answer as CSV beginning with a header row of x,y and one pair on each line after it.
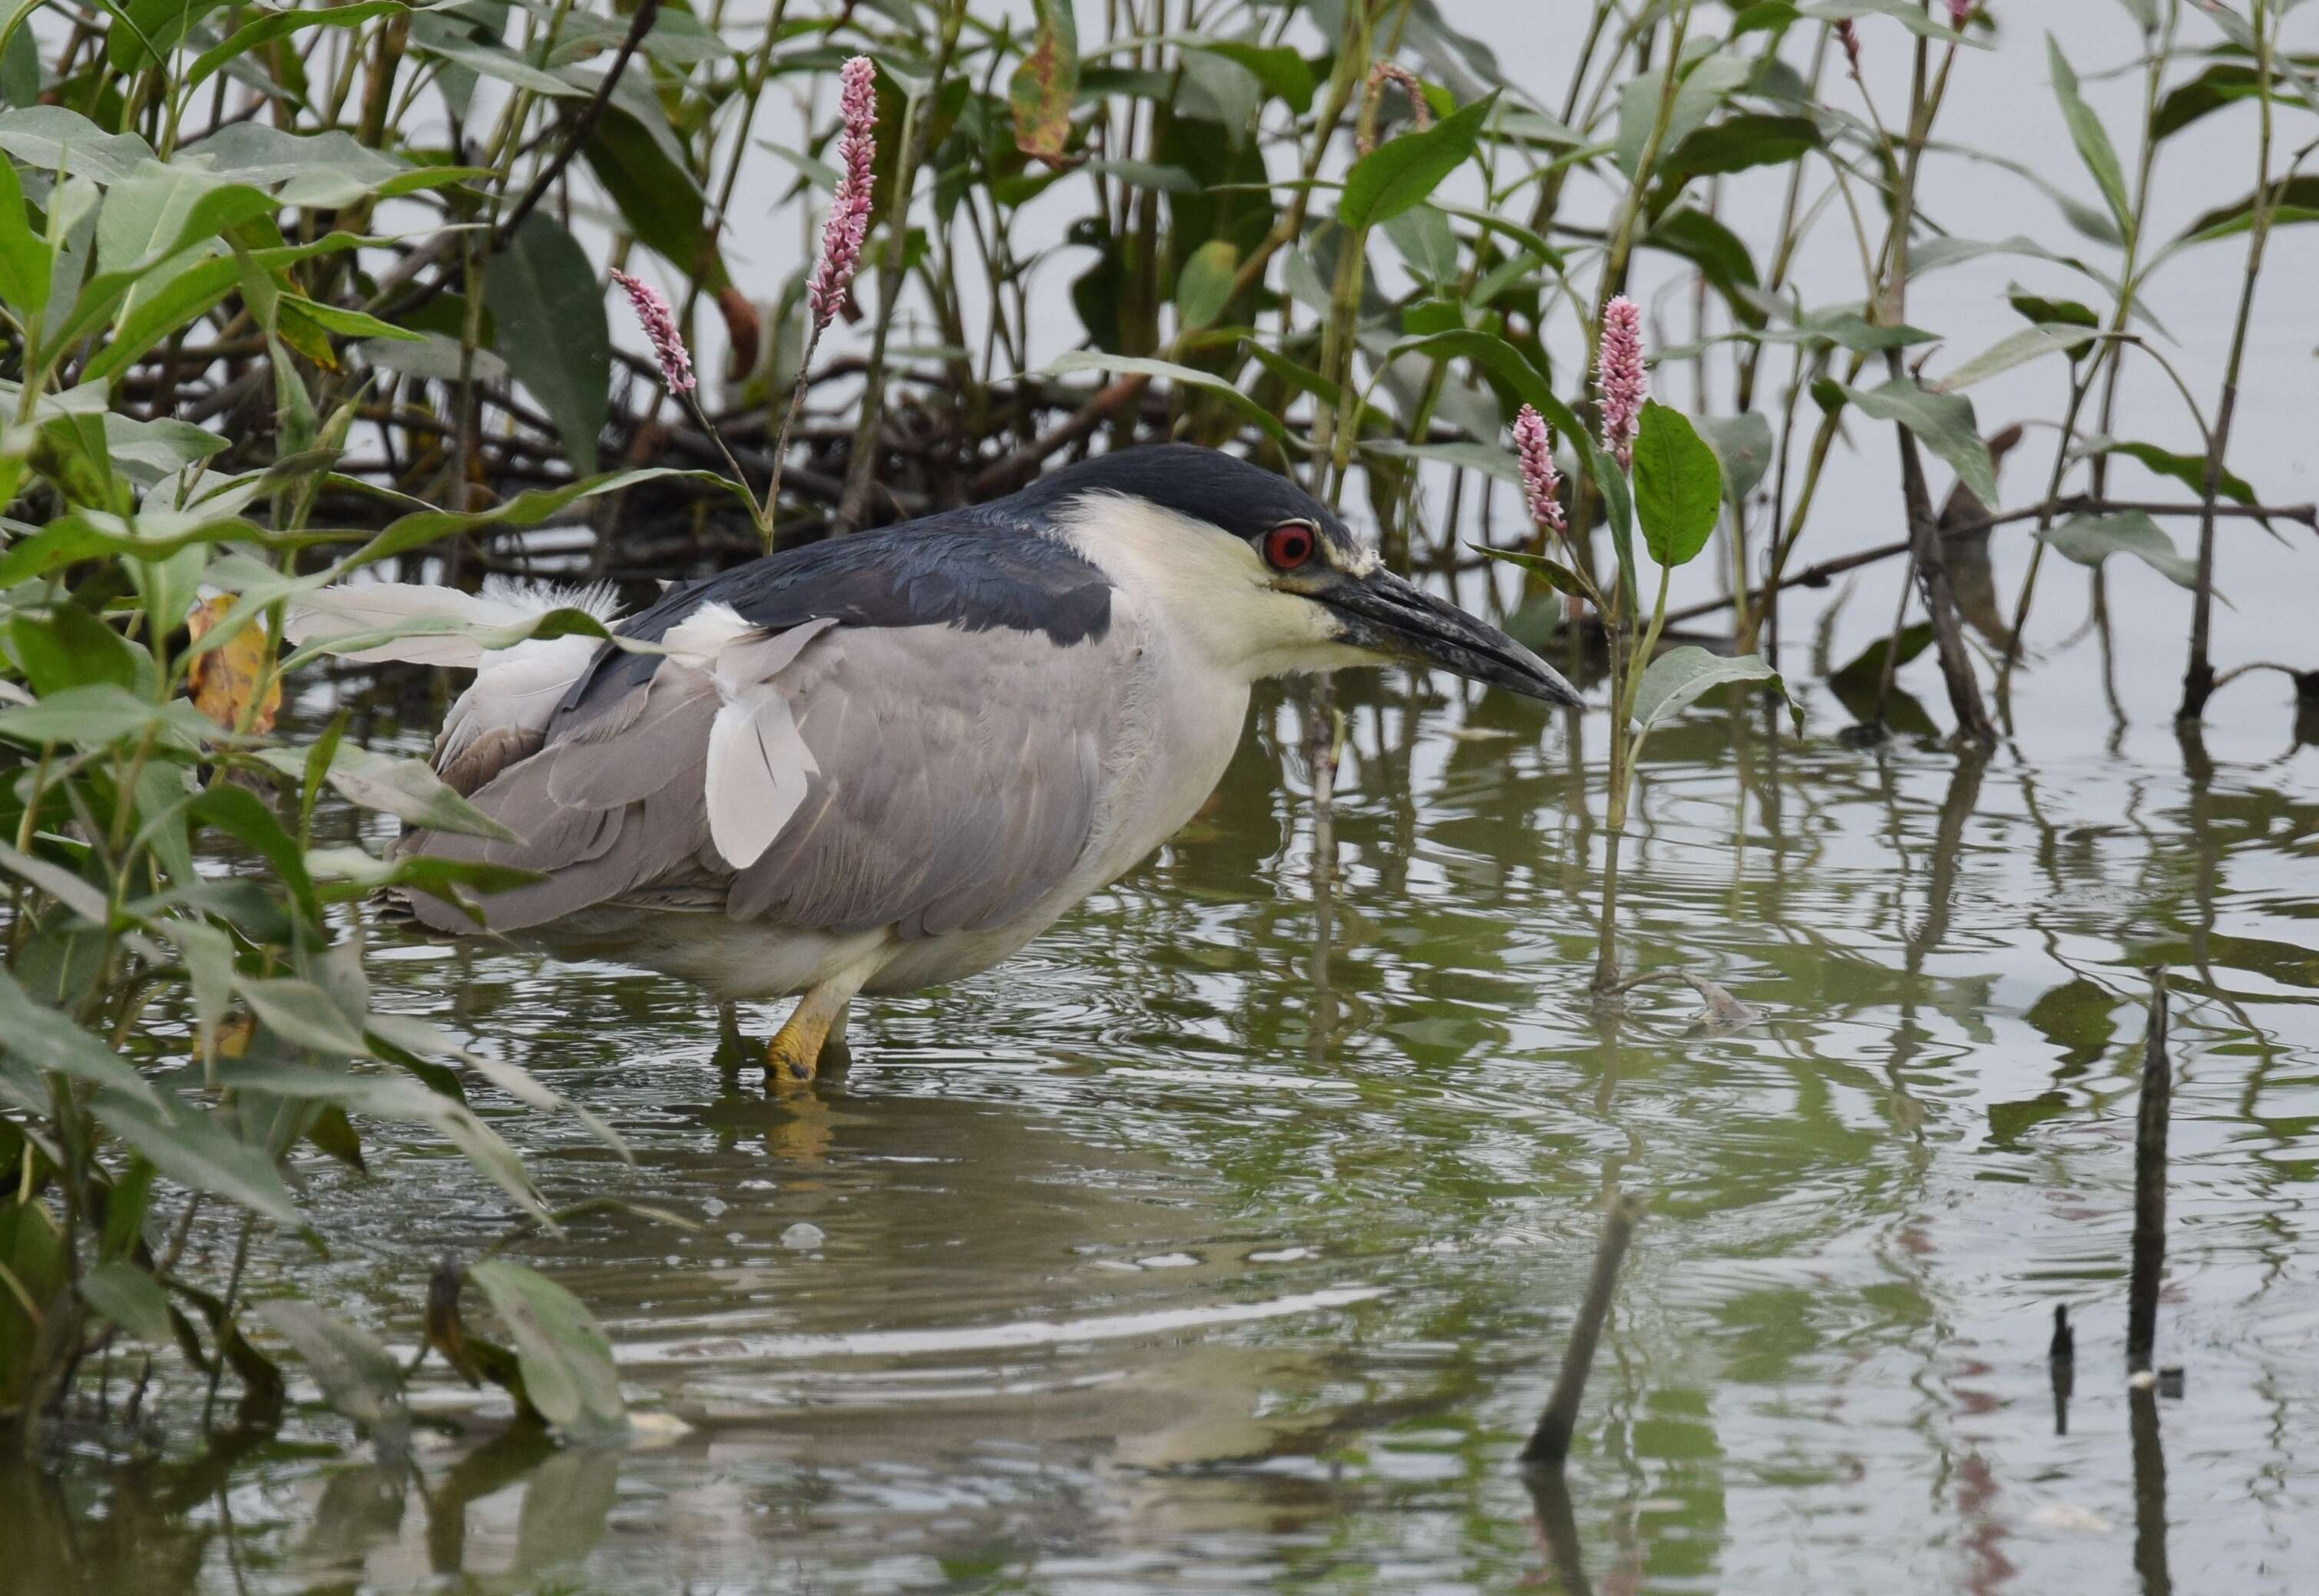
x,y
953,700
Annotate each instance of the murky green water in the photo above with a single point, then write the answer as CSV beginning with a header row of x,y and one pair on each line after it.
x,y
1200,1249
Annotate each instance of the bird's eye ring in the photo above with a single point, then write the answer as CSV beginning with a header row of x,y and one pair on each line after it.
x,y
1289,547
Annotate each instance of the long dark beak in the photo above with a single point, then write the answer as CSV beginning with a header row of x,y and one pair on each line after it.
x,y
1384,615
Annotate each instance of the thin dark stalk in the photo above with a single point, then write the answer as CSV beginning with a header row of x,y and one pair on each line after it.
x,y
2198,677
1549,1443
2150,1183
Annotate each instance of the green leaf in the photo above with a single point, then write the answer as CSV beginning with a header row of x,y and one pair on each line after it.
x,y
2293,200
2015,348
1203,284
271,25
26,262
2225,82
51,138
1704,84
1865,670
656,197
1285,74
1502,361
1079,360
2087,132
1486,458
403,788
1559,576
38,1035
132,1299
567,1364
1040,91
1942,422
101,714
1902,12
549,309
302,1014
1721,254
359,1378
1743,447
2190,470
1678,485
1618,504
1673,681
1735,144
146,31
2090,539
1404,170
193,1150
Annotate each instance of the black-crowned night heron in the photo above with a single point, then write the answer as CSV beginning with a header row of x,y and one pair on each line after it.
x,y
885,761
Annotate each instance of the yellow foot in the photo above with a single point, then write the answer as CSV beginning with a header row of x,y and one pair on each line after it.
x,y
818,1024
795,1052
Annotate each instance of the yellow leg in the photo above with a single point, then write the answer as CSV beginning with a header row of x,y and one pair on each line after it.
x,y
795,1052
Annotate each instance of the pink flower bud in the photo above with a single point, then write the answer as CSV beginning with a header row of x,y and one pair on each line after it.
x,y
848,222
1619,375
1847,36
660,327
1960,13
1534,448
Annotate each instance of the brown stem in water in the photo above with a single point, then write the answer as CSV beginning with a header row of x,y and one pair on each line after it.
x,y
1549,1443
2150,1183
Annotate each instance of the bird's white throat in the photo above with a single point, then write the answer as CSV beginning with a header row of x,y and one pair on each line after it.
x,y
1208,588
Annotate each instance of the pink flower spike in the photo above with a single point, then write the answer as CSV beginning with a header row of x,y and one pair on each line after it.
x,y
848,222
1534,448
660,326
1619,374
1849,38
1960,13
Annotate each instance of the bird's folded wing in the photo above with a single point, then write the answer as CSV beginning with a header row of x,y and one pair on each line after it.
x,y
923,777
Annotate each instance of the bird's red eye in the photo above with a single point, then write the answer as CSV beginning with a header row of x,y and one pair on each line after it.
x,y
1287,547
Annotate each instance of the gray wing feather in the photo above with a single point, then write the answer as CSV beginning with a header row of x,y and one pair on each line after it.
x,y
959,777
924,777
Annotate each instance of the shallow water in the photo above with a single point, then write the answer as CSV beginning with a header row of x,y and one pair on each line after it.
x,y
1192,1250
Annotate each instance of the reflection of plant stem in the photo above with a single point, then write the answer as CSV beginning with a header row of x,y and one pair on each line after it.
x,y
2199,678
1549,1443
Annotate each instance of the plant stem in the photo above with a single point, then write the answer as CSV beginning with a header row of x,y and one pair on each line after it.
x,y
916,132
2199,678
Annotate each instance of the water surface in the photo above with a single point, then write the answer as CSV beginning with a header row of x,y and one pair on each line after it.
x,y
1202,1247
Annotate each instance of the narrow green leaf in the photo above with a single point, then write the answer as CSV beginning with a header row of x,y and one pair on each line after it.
x,y
192,1149
1203,284
132,1299
2091,139
1558,575
42,1037
1942,422
2013,349
1404,170
547,307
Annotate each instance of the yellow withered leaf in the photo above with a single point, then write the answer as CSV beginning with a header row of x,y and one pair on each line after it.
x,y
224,680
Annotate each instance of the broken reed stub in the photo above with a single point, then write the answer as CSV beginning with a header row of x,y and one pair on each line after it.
x,y
1549,1443
2156,1108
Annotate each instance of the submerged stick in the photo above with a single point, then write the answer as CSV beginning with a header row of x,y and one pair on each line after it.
x,y
1549,1443
2149,1183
